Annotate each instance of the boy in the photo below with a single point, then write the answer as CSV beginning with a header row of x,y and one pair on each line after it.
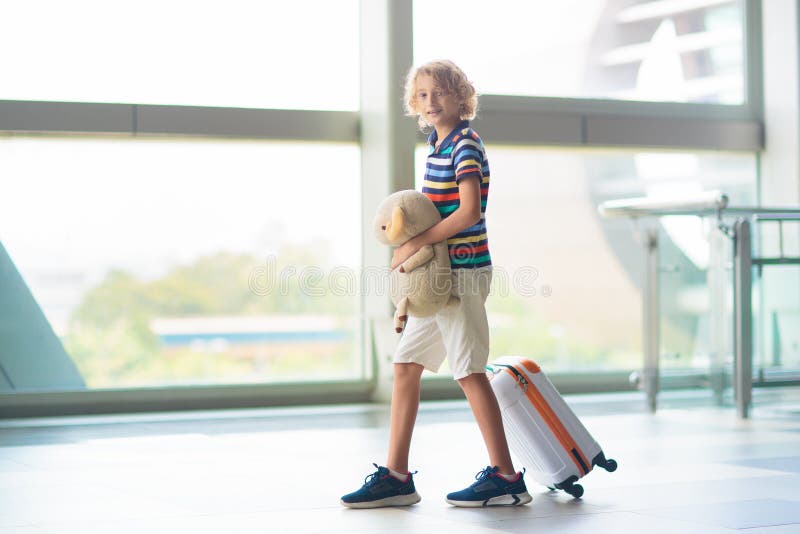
x,y
457,180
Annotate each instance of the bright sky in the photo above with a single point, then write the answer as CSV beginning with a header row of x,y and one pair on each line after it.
x,y
240,53
147,203
73,208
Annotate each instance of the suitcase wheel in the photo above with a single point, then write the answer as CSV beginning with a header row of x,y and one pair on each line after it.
x,y
611,465
607,464
576,490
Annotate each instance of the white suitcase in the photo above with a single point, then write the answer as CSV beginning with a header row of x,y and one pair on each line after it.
x,y
542,430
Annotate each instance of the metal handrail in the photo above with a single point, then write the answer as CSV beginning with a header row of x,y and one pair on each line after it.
x,y
704,204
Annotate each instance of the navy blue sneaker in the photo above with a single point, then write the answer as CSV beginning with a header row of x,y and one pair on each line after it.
x,y
382,489
491,489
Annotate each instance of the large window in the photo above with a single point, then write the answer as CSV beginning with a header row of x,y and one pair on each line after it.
x,y
567,284
185,261
646,50
172,245
243,53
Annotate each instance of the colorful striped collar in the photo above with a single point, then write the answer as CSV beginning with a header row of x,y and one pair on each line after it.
x,y
449,139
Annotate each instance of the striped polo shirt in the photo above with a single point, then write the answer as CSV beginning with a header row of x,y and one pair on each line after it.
x,y
460,155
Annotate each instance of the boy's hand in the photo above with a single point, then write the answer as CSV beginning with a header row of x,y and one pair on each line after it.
x,y
403,252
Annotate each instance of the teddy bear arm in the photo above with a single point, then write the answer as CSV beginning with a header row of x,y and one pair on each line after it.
x,y
421,257
401,315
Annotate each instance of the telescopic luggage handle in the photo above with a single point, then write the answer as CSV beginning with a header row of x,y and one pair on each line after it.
x,y
521,379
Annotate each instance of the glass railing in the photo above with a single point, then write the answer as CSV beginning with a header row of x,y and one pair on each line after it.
x,y
720,303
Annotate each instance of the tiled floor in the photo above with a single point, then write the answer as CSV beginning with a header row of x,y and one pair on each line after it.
x,y
687,469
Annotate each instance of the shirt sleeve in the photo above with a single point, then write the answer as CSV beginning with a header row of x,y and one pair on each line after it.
x,y
468,159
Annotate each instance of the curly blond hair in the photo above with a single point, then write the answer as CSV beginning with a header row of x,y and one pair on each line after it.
x,y
450,79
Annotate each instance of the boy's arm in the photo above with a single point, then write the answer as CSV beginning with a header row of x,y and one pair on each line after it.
x,y
467,214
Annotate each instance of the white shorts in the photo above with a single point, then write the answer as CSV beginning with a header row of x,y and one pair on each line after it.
x,y
458,333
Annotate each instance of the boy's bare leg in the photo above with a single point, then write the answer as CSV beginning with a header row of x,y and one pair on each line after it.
x,y
405,404
487,413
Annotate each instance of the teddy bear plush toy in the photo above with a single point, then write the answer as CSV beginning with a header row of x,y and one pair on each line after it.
x,y
422,285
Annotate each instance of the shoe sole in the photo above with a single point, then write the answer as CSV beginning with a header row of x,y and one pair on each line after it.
x,y
517,499
397,500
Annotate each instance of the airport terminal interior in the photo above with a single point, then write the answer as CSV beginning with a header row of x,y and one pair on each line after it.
x,y
196,323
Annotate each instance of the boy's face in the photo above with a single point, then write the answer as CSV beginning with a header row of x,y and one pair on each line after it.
x,y
439,109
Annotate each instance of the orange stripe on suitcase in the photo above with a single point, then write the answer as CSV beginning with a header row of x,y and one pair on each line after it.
x,y
553,422
532,366
585,466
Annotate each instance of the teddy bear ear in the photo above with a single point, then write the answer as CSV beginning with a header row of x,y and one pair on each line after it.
x,y
394,228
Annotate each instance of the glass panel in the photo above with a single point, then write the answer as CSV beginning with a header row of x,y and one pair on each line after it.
x,y
650,51
696,297
189,261
292,55
777,321
776,309
567,284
